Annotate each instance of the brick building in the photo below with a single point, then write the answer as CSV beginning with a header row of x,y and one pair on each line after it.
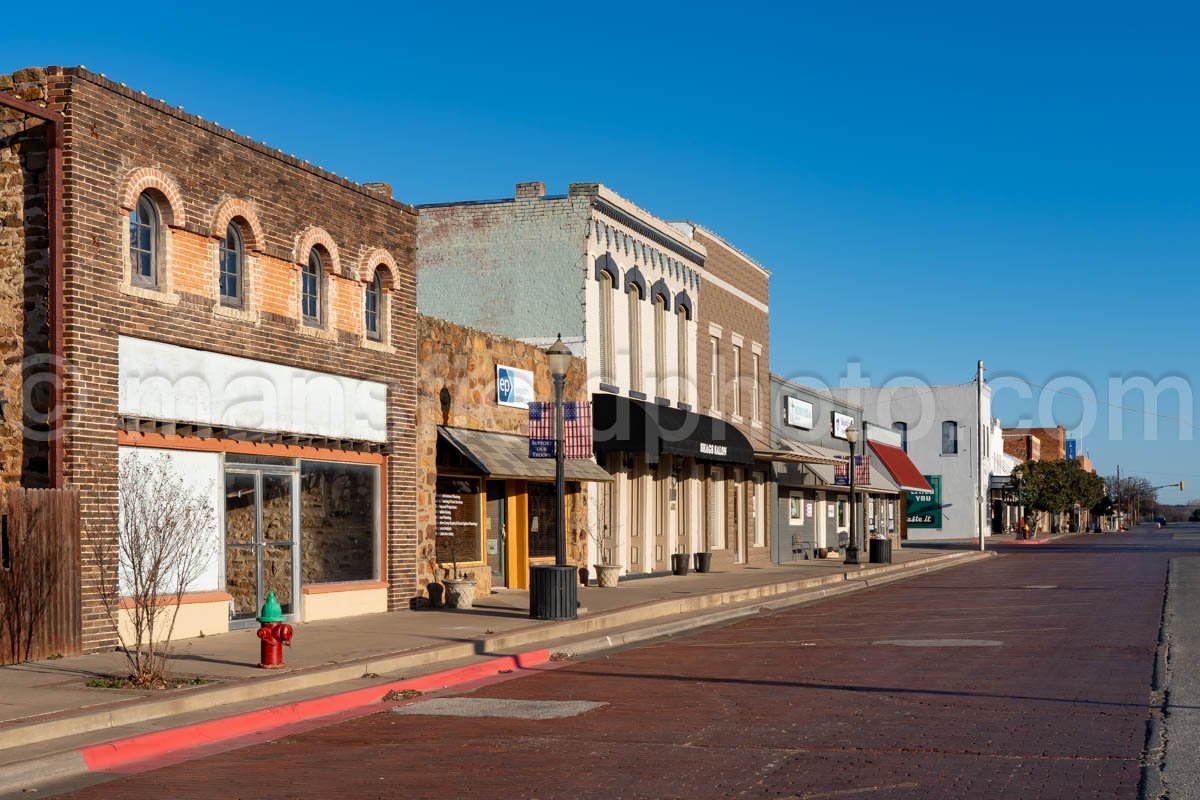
x,y
733,385
231,316
625,289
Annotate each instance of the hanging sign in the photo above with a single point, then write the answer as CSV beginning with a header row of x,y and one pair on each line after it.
x,y
514,387
840,422
577,430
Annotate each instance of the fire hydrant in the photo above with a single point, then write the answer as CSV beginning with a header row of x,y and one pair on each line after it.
x,y
274,633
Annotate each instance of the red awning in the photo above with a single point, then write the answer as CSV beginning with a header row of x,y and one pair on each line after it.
x,y
904,472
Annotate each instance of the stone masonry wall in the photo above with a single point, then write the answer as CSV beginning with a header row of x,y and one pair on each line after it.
x,y
24,275
457,388
118,142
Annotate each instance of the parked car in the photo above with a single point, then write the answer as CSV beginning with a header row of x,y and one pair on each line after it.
x,y
1161,521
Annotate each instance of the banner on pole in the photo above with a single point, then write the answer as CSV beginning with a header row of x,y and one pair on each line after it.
x,y
577,429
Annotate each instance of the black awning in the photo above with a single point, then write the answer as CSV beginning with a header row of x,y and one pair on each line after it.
x,y
620,424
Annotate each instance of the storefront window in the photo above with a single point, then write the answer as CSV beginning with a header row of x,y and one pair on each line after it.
x,y
457,510
841,518
339,506
543,530
795,509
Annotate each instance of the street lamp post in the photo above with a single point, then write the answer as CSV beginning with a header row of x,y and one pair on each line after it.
x,y
554,589
852,544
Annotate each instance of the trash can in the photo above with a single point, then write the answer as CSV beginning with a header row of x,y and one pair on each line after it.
x,y
553,592
679,563
880,551
703,562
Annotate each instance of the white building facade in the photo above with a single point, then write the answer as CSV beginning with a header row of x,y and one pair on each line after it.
x,y
949,434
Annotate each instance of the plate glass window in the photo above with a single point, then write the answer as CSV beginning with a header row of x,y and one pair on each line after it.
x,y
371,307
310,289
233,257
143,242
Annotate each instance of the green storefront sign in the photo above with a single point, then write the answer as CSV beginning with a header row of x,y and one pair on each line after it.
x,y
925,508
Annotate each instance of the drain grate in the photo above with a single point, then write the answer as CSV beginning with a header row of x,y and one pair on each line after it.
x,y
494,707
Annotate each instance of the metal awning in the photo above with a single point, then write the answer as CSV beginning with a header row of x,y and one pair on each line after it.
x,y
879,481
805,453
506,455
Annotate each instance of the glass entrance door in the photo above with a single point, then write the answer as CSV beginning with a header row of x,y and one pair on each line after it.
x,y
497,531
261,522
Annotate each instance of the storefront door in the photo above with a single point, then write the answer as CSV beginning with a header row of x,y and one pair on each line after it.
x,y
739,518
497,531
261,524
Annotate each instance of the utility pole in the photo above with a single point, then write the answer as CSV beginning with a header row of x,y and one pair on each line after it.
x,y
980,515
1119,510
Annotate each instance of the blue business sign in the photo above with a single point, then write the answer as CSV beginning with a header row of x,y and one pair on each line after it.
x,y
514,387
1072,449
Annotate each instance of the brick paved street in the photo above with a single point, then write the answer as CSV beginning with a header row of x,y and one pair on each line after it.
x,y
1044,695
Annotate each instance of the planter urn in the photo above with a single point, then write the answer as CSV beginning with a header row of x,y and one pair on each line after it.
x,y
607,575
460,592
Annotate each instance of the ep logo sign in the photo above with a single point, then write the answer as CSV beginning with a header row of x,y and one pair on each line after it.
x,y
514,387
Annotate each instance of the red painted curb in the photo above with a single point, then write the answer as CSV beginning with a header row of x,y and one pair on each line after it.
x,y
1029,541
120,752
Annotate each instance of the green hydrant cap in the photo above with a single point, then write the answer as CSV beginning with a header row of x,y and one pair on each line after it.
x,y
271,612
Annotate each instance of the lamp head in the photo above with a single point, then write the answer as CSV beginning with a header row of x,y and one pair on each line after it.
x,y
559,356
852,434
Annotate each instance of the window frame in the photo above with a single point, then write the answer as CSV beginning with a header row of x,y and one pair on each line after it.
x,y
756,387
373,289
238,254
736,382
660,346
635,338
682,353
153,252
605,314
316,320
952,427
714,368
902,429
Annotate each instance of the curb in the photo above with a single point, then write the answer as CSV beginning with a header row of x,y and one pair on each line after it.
x,y
119,754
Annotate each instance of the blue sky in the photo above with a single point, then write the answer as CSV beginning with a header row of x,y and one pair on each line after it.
x,y
929,183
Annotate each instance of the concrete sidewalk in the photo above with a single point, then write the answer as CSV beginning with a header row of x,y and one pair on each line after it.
x,y
46,703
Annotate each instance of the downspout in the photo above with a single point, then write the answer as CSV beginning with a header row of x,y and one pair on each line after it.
x,y
54,140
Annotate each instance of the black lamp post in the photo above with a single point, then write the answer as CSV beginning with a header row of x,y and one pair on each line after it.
x,y
852,544
554,590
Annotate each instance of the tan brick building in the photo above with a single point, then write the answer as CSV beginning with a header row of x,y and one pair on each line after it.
x,y
733,385
241,317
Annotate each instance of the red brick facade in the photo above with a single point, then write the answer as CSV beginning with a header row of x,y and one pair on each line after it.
x,y
119,143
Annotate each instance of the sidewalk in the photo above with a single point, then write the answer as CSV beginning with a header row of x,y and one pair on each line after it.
x,y
46,702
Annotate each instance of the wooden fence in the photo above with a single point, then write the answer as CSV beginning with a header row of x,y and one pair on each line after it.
x,y
39,574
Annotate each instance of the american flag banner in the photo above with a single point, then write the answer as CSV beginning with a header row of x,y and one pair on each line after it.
x,y
577,430
862,469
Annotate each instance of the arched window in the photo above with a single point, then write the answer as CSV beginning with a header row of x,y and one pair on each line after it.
x,y
233,260
371,307
682,351
144,222
311,285
902,429
606,327
635,337
660,345
949,438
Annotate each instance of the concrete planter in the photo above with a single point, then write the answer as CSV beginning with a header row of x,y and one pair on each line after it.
x,y
607,574
460,592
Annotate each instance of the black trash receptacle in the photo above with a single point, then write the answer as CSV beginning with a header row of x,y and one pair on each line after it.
x,y
553,592
703,562
679,563
880,551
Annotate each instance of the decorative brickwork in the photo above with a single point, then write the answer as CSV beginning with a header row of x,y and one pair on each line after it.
x,y
117,143
236,208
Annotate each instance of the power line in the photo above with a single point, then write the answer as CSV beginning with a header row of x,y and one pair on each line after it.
x,y
1181,420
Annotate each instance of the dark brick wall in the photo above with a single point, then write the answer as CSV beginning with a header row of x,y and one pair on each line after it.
x,y
112,131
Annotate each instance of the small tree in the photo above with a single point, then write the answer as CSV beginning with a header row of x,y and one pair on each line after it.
x,y
163,546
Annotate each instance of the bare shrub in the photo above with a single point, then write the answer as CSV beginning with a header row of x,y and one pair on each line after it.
x,y
162,547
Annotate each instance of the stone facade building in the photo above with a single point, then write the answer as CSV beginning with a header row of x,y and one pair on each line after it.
x,y
623,288
233,316
480,498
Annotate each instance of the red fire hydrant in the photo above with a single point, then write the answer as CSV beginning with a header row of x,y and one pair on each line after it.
x,y
274,633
